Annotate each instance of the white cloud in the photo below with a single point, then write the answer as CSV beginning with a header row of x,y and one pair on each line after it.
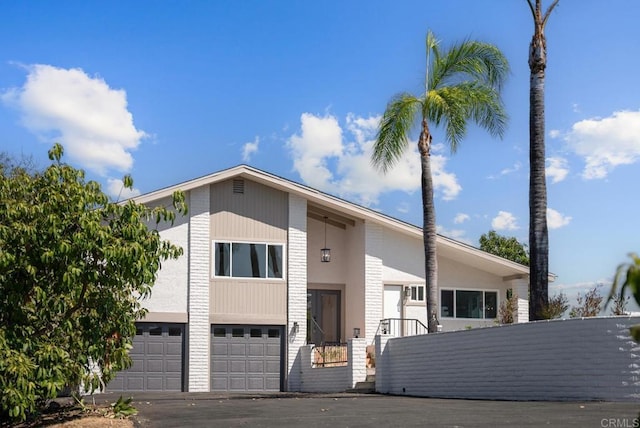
x,y
250,148
606,143
337,160
460,218
504,221
457,234
556,220
117,191
554,133
83,113
506,171
556,169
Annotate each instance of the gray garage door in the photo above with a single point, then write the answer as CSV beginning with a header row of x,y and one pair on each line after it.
x,y
157,356
246,358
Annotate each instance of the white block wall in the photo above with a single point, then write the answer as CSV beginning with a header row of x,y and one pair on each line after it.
x,y
297,289
577,359
373,239
199,329
334,379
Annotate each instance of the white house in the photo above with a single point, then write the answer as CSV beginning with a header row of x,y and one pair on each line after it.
x,y
251,289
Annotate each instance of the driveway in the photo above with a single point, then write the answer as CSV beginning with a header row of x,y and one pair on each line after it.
x,y
362,410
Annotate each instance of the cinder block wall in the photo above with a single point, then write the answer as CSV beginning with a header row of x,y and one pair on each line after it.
x,y
576,359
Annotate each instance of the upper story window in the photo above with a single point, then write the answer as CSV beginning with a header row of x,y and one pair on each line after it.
x,y
416,293
478,304
248,260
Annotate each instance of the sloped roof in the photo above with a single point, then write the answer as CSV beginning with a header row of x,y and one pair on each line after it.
x,y
446,247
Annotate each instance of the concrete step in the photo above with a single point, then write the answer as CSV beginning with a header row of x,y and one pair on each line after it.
x,y
366,387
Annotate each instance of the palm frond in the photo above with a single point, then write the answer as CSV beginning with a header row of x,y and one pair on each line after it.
x,y
470,61
454,105
394,129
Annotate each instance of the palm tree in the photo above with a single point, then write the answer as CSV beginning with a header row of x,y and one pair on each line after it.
x,y
538,233
461,83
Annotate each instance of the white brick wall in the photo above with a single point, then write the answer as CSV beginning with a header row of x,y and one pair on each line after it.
x,y
297,288
334,379
373,278
577,359
199,329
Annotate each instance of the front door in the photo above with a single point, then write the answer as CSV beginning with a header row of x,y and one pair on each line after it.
x,y
393,309
323,316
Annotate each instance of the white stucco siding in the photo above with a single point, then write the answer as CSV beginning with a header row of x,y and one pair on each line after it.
x,y
170,291
403,258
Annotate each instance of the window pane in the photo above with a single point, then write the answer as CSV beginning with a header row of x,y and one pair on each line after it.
x,y
219,332
155,331
255,332
414,292
237,332
222,259
468,304
274,332
175,331
490,304
421,293
248,260
446,303
275,261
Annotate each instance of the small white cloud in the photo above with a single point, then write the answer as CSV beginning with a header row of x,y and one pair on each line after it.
x,y
457,234
249,149
117,191
575,107
515,168
504,221
84,114
403,208
606,143
556,169
556,220
554,133
460,218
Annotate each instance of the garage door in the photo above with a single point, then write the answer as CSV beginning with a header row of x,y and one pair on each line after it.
x,y
157,356
246,358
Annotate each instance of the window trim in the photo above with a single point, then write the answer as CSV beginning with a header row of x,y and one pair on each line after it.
x,y
483,290
266,252
417,287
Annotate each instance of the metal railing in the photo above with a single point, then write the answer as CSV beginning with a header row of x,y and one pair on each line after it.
x,y
400,327
330,355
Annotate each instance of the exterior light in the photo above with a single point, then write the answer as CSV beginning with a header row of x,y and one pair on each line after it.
x,y
325,253
356,332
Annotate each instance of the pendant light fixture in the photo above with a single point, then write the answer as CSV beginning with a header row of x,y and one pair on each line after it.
x,y
325,253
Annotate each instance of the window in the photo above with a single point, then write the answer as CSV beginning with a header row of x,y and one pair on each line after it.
x,y
473,304
417,293
247,260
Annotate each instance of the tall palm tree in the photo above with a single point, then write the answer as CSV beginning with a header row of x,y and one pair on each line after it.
x,y
462,83
538,233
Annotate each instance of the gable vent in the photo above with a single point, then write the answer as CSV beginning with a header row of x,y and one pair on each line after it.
x,y
238,186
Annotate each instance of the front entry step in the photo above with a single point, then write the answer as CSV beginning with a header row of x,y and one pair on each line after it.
x,y
366,387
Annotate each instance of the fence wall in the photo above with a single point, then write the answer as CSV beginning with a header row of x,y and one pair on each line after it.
x,y
334,379
576,359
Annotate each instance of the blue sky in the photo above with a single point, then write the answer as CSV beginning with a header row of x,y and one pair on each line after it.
x,y
170,91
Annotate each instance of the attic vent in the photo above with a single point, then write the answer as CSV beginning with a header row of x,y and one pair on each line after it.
x,y
238,186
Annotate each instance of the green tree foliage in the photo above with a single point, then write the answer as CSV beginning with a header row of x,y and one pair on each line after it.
x,y
555,307
627,280
462,84
507,247
588,305
73,268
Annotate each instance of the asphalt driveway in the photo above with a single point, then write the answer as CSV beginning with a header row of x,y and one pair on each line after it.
x,y
363,410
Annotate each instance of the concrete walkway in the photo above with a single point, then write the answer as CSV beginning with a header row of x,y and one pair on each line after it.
x,y
360,410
